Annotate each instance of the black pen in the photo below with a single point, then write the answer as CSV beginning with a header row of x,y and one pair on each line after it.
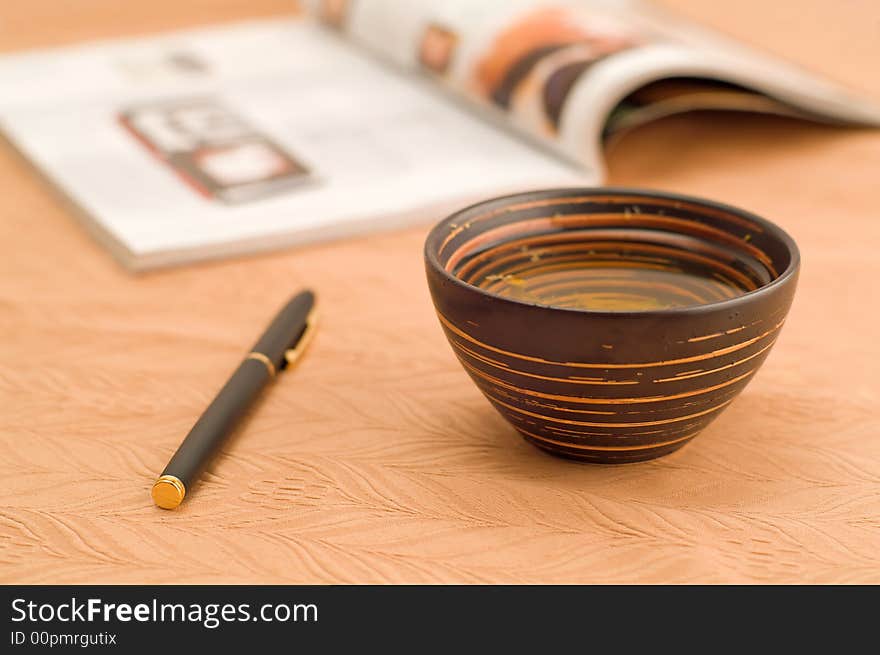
x,y
280,346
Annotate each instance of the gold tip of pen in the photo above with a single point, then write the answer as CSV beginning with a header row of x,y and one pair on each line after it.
x,y
168,492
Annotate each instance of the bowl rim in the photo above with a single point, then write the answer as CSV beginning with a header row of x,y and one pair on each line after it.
x,y
431,254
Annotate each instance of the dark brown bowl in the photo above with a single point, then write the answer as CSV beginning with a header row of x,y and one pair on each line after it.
x,y
610,386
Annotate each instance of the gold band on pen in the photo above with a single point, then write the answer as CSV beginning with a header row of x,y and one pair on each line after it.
x,y
260,357
168,492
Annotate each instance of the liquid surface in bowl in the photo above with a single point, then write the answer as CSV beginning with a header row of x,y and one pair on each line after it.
x,y
612,270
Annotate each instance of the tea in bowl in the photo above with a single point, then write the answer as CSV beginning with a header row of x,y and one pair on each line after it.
x,y
610,325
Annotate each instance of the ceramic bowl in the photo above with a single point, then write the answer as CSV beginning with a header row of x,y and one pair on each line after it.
x,y
609,385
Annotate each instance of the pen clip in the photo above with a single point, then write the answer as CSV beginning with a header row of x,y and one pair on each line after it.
x,y
292,355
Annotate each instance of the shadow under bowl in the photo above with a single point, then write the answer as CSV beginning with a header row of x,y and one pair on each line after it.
x,y
610,325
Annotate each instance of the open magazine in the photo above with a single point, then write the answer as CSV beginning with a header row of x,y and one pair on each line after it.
x,y
365,114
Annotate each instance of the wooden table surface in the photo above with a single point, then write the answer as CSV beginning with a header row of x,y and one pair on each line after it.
x,y
379,461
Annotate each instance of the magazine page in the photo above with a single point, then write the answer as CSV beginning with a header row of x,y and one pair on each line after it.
x,y
570,73
251,136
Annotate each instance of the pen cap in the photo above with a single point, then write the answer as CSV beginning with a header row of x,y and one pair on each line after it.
x,y
286,329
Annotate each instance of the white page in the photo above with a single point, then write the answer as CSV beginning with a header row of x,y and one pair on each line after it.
x,y
380,144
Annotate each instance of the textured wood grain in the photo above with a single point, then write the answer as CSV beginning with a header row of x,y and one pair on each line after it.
x,y
379,461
